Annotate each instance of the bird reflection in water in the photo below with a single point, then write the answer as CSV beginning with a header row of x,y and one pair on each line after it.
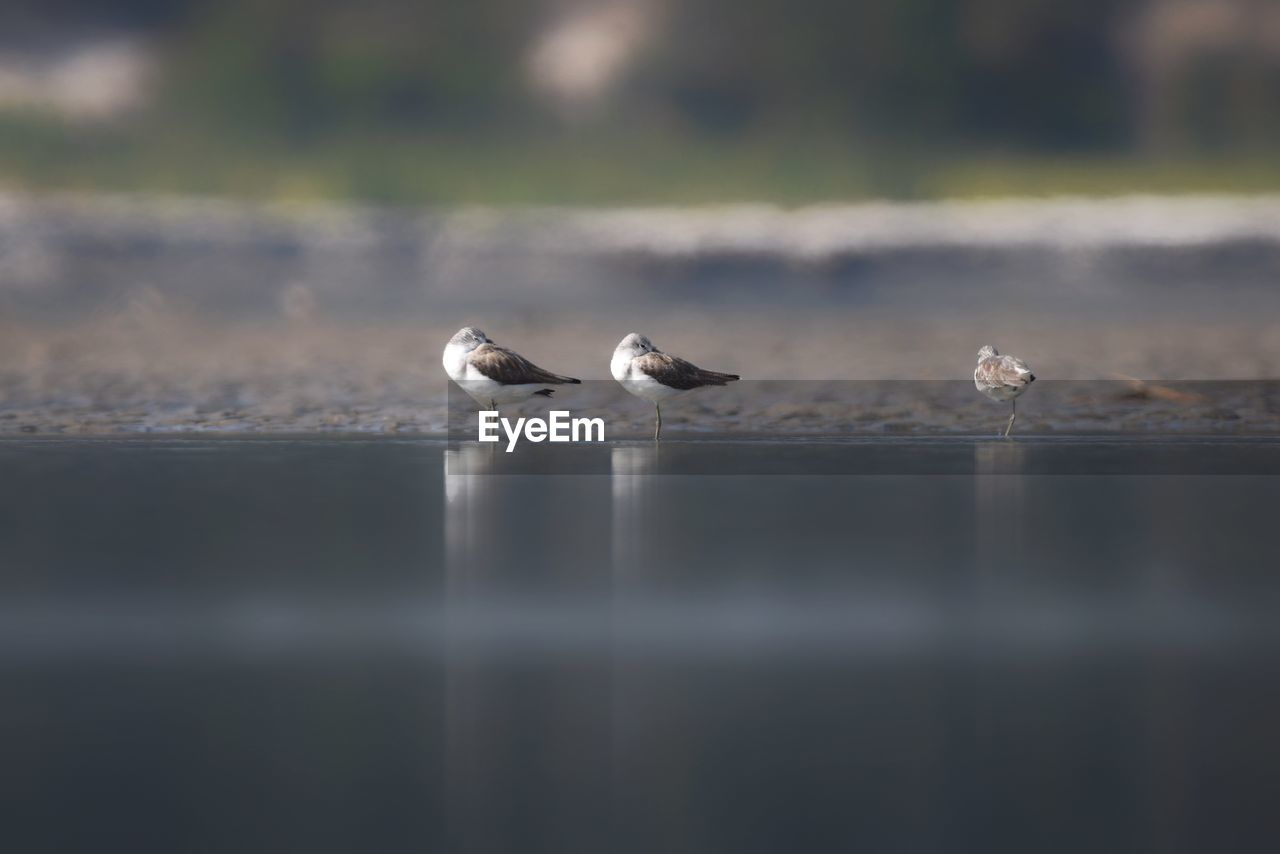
x,y
521,656
631,481
998,486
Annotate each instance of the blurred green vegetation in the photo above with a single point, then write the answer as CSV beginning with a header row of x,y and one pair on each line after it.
x,y
780,100
580,169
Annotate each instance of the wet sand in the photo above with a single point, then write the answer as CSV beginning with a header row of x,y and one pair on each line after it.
x,y
137,315
137,374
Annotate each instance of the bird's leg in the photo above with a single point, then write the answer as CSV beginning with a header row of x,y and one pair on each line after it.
x,y
657,430
492,406
1012,416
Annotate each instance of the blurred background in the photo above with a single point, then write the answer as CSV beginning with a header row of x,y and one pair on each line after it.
x,y
623,101
267,207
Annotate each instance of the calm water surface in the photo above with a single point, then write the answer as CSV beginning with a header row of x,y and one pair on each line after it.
x,y
383,645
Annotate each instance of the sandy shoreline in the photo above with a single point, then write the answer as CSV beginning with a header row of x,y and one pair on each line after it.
x,y
147,370
126,315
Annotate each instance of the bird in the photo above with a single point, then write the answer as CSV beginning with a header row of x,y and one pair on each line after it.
x,y
493,374
1002,378
647,372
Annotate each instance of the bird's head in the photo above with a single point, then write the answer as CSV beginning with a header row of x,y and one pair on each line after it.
x,y
634,345
987,352
469,338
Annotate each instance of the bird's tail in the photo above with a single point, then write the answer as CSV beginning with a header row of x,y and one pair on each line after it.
x,y
717,378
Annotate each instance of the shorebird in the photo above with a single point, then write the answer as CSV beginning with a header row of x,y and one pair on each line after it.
x,y
1002,378
493,374
647,372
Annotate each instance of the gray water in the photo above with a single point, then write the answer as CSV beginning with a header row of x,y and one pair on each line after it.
x,y
401,645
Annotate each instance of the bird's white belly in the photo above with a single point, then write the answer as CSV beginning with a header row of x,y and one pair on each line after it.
x,y
642,385
482,389
485,390
1001,392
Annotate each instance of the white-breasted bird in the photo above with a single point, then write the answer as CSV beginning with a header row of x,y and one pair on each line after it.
x,y
647,372
492,374
1002,378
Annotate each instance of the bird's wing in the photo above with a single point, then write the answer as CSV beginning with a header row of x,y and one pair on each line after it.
x,y
1015,370
676,373
510,368
1002,371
